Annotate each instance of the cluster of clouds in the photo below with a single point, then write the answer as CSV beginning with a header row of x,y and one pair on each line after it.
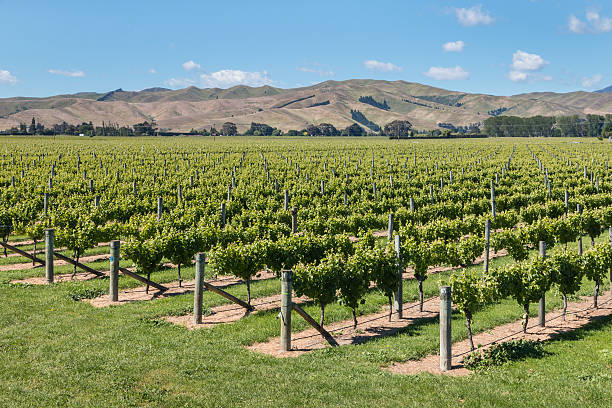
x,y
224,78
7,78
73,74
594,23
525,67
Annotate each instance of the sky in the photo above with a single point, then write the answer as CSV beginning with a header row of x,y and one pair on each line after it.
x,y
495,47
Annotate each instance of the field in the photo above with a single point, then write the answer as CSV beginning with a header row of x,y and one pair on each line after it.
x,y
56,349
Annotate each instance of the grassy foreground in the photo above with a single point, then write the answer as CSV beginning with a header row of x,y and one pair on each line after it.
x,y
55,351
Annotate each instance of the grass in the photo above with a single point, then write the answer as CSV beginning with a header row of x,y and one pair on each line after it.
x,y
55,351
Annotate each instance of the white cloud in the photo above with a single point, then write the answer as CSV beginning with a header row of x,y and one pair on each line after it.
x,y
189,65
473,16
73,74
575,25
179,82
522,61
152,71
441,73
517,76
229,77
381,66
599,23
7,77
595,23
453,46
320,71
592,81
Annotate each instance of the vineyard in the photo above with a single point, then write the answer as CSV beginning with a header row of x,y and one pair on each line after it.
x,y
112,245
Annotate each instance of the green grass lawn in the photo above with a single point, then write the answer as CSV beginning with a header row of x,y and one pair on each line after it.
x,y
55,351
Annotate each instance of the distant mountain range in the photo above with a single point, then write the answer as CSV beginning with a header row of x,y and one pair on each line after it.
x,y
327,102
605,90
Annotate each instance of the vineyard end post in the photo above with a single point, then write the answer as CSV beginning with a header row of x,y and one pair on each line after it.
x,y
487,245
285,312
398,302
114,270
294,220
49,241
445,329
160,208
542,305
199,284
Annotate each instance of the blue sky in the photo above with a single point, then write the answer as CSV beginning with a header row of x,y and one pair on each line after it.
x,y
501,47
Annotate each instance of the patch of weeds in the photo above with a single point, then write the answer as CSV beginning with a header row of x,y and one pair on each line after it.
x,y
77,293
501,353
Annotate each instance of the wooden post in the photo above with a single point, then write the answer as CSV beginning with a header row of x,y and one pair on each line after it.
x,y
579,208
390,228
46,203
322,187
493,200
222,215
199,283
294,220
286,202
374,190
411,204
114,270
160,208
49,240
285,312
97,201
487,243
398,301
445,329
566,201
542,305
431,195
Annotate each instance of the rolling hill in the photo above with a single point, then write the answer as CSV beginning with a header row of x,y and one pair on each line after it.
x,y
329,102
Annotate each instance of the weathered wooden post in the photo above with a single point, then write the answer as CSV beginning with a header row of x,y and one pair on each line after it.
x,y
160,208
97,201
579,208
493,199
285,312
411,204
445,329
390,228
49,240
374,190
286,200
114,270
542,305
222,215
398,298
294,220
487,245
199,285
566,201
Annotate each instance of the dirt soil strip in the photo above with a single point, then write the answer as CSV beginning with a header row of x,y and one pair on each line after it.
x,y
139,293
230,313
56,262
578,315
368,327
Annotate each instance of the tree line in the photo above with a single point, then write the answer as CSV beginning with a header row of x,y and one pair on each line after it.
x,y
549,126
